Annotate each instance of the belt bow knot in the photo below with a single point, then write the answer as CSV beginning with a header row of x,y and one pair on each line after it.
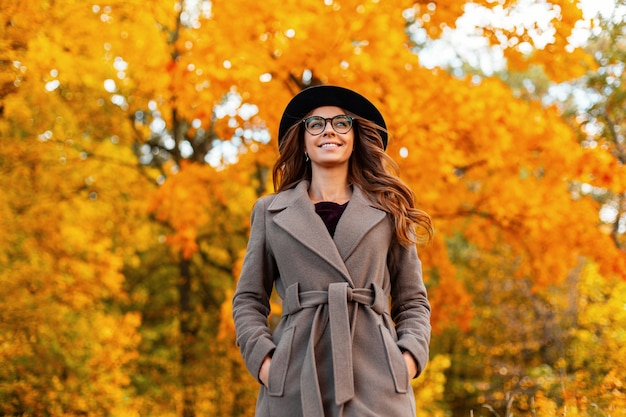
x,y
337,297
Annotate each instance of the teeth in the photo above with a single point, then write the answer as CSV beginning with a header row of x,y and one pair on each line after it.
x,y
328,145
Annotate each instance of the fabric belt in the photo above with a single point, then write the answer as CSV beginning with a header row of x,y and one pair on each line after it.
x,y
337,297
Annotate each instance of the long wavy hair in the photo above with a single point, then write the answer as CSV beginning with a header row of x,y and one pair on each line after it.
x,y
371,169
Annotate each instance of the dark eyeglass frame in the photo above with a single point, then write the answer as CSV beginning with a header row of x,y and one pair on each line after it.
x,y
343,117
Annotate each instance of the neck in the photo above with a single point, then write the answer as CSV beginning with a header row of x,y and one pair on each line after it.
x,y
330,186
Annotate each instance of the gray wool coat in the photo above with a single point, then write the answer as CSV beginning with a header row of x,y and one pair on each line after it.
x,y
351,306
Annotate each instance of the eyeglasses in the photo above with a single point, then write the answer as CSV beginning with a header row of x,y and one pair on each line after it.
x,y
316,125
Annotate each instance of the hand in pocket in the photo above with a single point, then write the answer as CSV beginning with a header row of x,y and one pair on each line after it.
x,y
411,366
264,372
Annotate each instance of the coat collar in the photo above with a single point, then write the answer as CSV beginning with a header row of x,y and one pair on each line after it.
x,y
296,215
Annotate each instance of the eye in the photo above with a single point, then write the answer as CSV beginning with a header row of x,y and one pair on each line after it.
x,y
315,123
341,121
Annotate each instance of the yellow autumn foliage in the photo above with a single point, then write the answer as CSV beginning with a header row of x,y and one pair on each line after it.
x,y
121,245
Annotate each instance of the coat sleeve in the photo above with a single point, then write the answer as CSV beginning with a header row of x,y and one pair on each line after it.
x,y
251,301
410,309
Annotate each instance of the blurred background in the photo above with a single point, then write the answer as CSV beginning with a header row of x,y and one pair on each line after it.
x,y
135,137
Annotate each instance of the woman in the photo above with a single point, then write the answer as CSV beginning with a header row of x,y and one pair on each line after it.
x,y
337,242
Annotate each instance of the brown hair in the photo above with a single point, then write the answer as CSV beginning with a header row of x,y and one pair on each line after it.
x,y
371,169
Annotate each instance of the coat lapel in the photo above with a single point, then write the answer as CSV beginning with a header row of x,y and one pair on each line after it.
x,y
360,216
296,215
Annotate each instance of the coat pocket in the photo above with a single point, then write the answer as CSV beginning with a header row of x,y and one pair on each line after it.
x,y
280,364
395,360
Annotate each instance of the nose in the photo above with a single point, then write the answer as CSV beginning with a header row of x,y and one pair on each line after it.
x,y
328,130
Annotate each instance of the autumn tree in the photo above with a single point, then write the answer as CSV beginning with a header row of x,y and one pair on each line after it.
x,y
141,133
70,223
602,121
72,217
522,355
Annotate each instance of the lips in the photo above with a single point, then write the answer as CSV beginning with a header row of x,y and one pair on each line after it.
x,y
329,145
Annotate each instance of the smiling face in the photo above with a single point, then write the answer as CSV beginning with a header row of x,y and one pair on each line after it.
x,y
329,148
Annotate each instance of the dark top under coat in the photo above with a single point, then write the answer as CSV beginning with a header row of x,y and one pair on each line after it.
x,y
330,212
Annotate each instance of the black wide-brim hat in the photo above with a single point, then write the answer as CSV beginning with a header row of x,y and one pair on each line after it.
x,y
329,95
